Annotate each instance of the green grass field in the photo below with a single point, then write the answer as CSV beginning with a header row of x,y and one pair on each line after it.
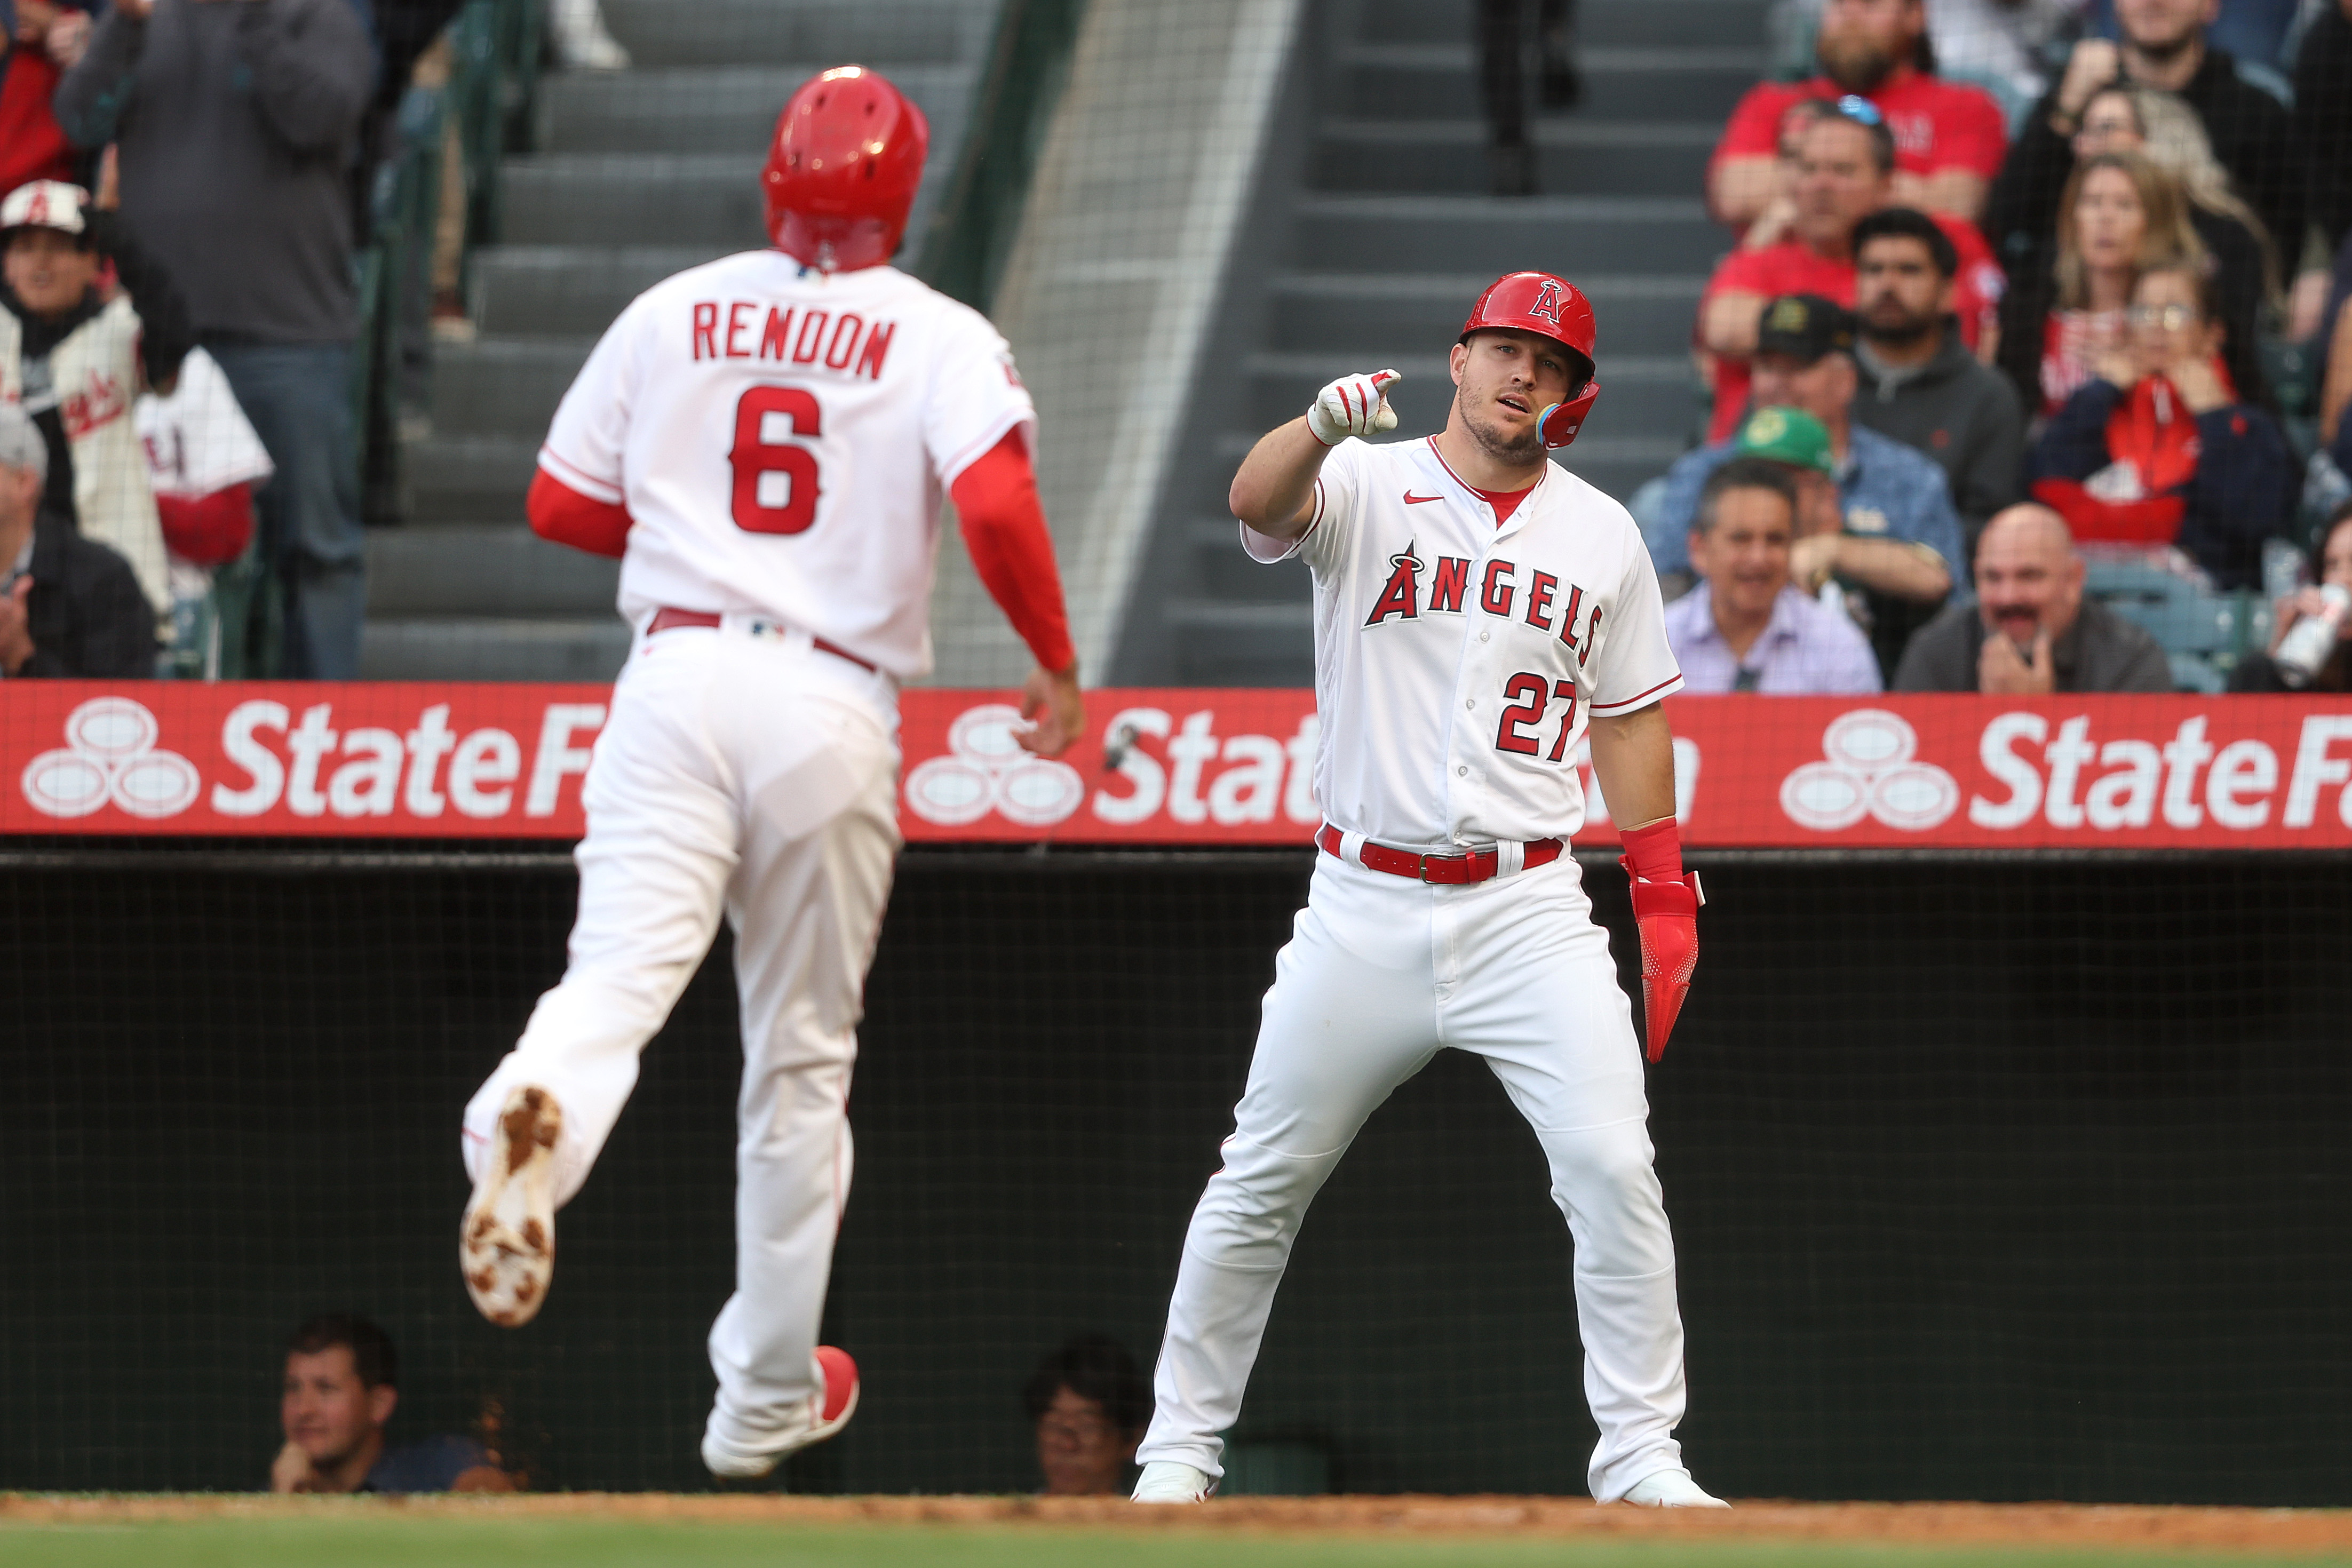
x,y
366,1536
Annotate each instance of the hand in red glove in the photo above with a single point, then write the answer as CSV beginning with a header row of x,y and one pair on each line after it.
x,y
1665,907
1667,912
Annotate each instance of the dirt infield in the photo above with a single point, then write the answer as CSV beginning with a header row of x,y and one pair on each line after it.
x,y
2278,1531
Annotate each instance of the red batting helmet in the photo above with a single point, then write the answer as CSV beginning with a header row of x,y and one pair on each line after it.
x,y
847,156
1551,308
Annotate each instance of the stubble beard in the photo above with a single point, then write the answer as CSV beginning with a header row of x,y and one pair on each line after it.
x,y
1903,332
1518,452
1857,65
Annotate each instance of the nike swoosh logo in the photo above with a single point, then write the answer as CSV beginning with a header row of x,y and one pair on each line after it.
x,y
1413,500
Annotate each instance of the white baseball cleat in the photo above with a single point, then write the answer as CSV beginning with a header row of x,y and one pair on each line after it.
x,y
506,1243
1165,1480
1671,1489
835,1401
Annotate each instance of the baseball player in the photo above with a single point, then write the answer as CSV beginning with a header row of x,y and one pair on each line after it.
x,y
764,442
1477,610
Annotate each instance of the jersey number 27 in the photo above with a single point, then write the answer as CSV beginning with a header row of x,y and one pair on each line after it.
x,y
754,458
1531,694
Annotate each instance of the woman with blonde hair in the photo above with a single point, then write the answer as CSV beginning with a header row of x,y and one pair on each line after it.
x,y
2119,215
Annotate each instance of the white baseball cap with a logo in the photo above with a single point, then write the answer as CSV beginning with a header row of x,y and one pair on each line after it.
x,y
45,204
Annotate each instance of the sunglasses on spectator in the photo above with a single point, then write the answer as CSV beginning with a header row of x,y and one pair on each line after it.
x,y
1861,111
2171,318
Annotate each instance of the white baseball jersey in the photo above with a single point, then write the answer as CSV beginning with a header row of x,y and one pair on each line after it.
x,y
1455,662
782,438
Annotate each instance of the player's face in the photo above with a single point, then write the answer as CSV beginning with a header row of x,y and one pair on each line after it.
x,y
1838,182
47,271
2027,579
2108,220
1897,291
325,1408
1745,557
1081,1451
1503,381
1862,40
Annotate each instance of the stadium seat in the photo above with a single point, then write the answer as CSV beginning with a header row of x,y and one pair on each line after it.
x,y
2202,633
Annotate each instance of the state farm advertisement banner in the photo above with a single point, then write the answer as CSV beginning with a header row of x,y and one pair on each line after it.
x,y
1178,766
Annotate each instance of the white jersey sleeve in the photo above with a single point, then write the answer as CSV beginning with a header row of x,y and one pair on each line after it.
x,y
591,430
1330,522
1632,665
975,395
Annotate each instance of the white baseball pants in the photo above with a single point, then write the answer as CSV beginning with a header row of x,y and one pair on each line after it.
x,y
1379,974
748,771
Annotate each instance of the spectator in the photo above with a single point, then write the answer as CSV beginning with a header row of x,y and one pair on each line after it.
x,y
68,606
2158,449
236,125
2030,632
2167,131
1772,225
77,360
1920,384
1950,136
2323,120
1899,530
342,1383
2164,48
1502,83
1843,174
2122,215
1745,628
2331,561
2000,43
39,40
1090,1404
2335,363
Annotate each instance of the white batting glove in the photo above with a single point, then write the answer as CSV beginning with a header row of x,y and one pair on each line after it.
x,y
1353,405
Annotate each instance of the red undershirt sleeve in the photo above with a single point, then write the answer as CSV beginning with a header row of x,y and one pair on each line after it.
x,y
563,513
1004,533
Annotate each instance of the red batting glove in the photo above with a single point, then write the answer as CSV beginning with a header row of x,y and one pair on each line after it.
x,y
1665,907
1667,912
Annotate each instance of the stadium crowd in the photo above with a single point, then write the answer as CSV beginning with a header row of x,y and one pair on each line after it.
x,y
2031,307
185,186
2085,257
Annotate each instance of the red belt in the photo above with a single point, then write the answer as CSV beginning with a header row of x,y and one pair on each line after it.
x,y
670,619
1476,865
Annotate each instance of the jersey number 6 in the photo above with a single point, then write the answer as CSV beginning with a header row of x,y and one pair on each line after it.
x,y
1531,694
754,458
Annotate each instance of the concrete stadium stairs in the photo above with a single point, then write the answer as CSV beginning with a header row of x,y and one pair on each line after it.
x,y
1373,233
638,175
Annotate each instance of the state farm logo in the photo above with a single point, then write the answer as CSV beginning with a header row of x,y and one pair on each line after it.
x,y
1870,771
986,770
109,754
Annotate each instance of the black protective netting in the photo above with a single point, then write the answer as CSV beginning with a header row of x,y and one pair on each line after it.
x,y
1999,1179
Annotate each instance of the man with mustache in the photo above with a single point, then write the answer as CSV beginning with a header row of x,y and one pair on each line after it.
x,y
1949,137
2030,632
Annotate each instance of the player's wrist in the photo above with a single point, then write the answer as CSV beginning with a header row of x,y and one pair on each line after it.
x,y
1653,853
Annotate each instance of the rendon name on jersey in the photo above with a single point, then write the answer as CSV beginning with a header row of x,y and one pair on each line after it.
x,y
756,418
1456,662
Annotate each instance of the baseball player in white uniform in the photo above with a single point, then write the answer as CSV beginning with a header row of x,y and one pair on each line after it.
x,y
1477,608
764,442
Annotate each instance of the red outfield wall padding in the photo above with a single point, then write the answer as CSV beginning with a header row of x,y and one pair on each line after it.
x,y
468,760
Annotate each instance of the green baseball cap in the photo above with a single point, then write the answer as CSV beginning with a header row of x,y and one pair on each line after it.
x,y
1788,436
